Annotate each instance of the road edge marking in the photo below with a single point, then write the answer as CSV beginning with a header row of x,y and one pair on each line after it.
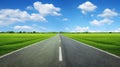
x,y
96,48
4,55
100,50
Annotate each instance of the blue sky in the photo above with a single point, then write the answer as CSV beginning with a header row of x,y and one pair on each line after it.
x,y
60,15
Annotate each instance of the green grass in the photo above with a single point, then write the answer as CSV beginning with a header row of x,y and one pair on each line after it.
x,y
107,42
11,42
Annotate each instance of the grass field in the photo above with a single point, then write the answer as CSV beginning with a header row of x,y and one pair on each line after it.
x,y
10,42
107,42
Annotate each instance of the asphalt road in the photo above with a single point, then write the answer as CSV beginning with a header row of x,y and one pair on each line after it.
x,y
59,51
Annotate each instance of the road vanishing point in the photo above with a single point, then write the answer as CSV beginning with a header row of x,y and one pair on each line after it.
x,y
59,51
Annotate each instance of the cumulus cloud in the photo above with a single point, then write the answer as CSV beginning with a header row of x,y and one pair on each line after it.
x,y
87,7
23,27
37,17
101,22
26,28
11,16
108,13
81,29
46,9
107,16
29,7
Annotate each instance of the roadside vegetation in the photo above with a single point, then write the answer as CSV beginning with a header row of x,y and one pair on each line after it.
x,y
13,41
105,41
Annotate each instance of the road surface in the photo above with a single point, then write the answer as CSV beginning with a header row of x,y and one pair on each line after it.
x,y
59,51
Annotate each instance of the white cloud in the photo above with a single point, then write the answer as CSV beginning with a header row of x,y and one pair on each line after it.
x,y
39,28
101,22
108,13
65,19
107,16
26,28
87,7
11,16
29,7
23,28
81,29
46,9
37,17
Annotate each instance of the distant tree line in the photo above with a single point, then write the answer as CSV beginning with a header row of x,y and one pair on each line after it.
x,y
18,32
57,32
26,32
87,32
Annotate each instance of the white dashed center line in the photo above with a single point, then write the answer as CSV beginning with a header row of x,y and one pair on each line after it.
x,y
59,40
60,54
